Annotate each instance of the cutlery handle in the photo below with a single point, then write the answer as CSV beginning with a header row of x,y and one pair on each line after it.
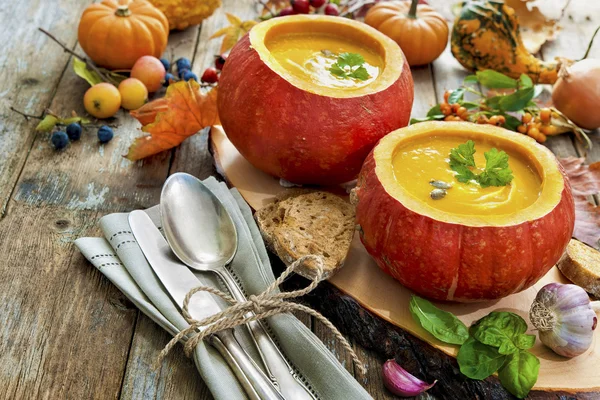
x,y
253,380
278,370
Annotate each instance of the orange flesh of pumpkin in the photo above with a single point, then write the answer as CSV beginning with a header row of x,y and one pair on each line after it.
x,y
419,162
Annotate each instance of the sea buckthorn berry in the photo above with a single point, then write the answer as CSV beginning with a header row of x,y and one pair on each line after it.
x,y
455,107
445,108
482,119
447,95
545,115
494,119
533,132
522,128
526,118
541,138
461,110
548,130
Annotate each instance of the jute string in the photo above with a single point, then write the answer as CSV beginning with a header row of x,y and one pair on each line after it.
x,y
263,305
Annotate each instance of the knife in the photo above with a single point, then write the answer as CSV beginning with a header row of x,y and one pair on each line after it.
x,y
179,280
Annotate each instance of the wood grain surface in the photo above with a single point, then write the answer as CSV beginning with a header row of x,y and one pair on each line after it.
x,y
66,332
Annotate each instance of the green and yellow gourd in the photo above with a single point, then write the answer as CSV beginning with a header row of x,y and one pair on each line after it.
x,y
486,36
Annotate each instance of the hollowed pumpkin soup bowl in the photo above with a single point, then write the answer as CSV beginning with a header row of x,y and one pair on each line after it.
x,y
470,243
292,114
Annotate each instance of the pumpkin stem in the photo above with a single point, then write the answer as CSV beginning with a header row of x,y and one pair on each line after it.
x,y
123,10
412,13
587,52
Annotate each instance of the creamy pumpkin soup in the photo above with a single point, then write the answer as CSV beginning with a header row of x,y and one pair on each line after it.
x,y
423,168
326,59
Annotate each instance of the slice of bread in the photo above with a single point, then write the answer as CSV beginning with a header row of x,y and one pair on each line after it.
x,y
308,222
581,265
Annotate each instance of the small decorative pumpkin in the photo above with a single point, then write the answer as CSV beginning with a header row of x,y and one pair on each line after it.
x,y
420,31
114,35
184,13
486,36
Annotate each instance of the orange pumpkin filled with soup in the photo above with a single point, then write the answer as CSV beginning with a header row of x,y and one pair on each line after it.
x,y
305,98
463,212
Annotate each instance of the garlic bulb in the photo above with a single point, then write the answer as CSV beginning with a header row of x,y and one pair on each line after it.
x,y
565,318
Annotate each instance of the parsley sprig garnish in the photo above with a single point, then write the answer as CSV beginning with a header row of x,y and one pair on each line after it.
x,y
496,172
350,65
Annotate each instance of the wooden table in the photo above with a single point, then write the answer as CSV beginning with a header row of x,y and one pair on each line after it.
x,y
65,331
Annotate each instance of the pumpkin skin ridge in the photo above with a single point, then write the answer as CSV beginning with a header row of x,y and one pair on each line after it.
x,y
319,156
418,257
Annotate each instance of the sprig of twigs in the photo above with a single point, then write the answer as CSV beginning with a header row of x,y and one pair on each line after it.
x,y
87,62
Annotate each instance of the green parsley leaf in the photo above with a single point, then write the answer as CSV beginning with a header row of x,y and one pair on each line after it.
x,y
496,172
350,65
350,60
360,73
441,324
337,71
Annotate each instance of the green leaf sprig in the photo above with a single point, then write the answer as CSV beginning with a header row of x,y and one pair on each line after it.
x,y
350,65
496,172
495,343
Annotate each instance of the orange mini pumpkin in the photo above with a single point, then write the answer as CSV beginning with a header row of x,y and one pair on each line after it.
x,y
420,31
114,35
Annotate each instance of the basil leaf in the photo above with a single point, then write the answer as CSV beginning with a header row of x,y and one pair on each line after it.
x,y
456,96
470,79
525,342
477,360
495,80
519,373
525,81
435,110
501,330
517,100
441,324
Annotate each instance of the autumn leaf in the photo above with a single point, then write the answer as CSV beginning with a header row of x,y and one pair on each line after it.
x,y
585,181
274,6
183,111
232,33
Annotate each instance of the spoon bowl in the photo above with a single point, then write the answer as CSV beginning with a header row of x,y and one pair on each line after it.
x,y
197,226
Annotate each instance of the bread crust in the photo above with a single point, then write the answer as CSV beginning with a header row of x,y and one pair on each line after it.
x,y
308,222
581,265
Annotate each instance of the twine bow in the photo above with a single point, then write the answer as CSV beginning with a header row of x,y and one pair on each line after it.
x,y
263,305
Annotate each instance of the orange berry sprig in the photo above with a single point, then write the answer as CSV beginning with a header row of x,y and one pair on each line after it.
x,y
538,127
453,112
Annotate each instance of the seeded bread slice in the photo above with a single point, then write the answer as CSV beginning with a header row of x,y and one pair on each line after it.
x,y
308,222
581,265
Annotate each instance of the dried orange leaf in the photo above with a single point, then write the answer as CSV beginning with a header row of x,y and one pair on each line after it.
x,y
183,111
232,33
585,181
536,21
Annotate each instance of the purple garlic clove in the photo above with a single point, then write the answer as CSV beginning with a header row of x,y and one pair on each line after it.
x,y
400,382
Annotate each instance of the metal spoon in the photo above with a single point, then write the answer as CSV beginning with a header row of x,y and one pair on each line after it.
x,y
202,235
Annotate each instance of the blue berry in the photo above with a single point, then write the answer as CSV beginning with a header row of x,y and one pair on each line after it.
x,y
182,72
105,134
74,131
59,140
165,63
183,63
190,75
168,78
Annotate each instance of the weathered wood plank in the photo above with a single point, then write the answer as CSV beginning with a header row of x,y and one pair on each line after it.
x,y
30,68
176,379
65,329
